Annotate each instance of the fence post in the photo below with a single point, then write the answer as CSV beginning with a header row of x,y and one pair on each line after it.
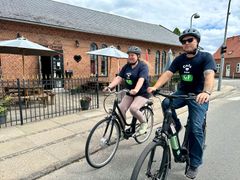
x,y
20,103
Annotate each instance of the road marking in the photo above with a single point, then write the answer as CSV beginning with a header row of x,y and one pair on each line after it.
x,y
234,98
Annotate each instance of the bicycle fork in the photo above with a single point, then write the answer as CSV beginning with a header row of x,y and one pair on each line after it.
x,y
106,140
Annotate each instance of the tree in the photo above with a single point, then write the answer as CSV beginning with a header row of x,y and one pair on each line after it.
x,y
177,31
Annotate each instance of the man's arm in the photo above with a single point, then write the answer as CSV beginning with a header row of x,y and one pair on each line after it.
x,y
209,80
208,86
165,77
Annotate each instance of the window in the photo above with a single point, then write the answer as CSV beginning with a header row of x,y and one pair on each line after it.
x,y
238,68
93,60
164,60
218,68
157,63
104,63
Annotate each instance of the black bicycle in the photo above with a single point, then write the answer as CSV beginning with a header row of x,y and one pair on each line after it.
x,y
103,140
155,161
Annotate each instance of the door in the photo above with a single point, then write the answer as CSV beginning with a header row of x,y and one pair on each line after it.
x,y
45,71
57,71
228,69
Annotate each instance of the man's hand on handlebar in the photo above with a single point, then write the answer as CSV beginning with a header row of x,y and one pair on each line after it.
x,y
202,97
151,89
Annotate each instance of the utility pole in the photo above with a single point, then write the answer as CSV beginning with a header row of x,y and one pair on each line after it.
x,y
223,50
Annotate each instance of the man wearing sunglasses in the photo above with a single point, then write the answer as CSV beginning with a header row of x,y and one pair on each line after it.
x,y
196,70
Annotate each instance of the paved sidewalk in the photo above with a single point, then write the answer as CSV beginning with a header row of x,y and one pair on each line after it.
x,y
35,149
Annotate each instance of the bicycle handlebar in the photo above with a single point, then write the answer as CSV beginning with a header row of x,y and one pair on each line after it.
x,y
171,96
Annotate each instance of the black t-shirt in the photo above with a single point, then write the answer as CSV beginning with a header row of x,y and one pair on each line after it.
x,y
191,70
131,76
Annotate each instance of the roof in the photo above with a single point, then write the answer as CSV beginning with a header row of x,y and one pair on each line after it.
x,y
233,48
60,15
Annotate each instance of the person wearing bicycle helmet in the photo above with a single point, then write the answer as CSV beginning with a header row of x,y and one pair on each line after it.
x,y
135,76
196,69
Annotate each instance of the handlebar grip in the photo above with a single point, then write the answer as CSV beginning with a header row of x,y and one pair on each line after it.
x,y
156,92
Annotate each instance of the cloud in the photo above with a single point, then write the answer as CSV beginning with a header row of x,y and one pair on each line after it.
x,y
175,13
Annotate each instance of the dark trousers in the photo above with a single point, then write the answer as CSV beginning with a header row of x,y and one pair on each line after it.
x,y
196,119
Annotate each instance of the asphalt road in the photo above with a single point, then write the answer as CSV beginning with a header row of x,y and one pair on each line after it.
x,y
221,157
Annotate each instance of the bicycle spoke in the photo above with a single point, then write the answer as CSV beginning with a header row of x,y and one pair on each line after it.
x,y
102,143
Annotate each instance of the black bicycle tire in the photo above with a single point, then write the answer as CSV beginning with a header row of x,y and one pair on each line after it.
x,y
104,103
149,149
151,114
87,154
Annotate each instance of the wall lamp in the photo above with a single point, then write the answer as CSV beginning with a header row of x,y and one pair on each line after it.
x,y
77,43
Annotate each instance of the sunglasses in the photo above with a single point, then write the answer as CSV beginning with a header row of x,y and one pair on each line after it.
x,y
189,40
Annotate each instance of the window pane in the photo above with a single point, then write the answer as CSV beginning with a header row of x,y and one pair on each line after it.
x,y
218,68
104,63
164,60
238,68
157,63
93,60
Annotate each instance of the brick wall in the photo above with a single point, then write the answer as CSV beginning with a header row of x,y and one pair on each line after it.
x,y
59,39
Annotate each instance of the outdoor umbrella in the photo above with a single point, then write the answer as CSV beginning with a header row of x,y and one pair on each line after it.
x,y
24,47
169,60
110,51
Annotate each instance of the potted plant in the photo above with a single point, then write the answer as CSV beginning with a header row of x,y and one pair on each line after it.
x,y
4,106
85,102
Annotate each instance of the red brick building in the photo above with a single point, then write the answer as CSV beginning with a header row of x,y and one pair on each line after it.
x,y
74,31
231,67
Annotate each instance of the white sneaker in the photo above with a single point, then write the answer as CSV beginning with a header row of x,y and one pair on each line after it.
x,y
143,128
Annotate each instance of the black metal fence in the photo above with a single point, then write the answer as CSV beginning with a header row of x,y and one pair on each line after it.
x,y
34,99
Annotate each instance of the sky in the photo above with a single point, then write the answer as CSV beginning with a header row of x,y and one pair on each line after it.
x,y
175,13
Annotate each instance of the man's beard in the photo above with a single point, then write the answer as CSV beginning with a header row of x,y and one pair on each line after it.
x,y
193,52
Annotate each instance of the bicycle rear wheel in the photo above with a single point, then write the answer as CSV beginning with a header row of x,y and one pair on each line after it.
x,y
148,117
153,163
102,143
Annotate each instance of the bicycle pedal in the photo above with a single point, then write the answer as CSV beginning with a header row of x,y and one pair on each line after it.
x,y
180,160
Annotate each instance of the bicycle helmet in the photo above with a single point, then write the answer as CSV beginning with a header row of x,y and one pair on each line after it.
x,y
190,32
135,50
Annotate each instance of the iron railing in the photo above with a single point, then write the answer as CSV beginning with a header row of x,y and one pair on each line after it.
x,y
35,99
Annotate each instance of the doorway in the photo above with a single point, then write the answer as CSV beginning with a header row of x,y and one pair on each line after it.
x,y
228,70
46,71
52,71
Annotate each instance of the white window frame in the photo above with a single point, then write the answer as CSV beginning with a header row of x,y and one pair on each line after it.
x,y
218,66
157,63
104,64
238,68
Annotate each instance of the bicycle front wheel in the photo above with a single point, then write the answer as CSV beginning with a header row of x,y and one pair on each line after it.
x,y
102,143
148,117
153,163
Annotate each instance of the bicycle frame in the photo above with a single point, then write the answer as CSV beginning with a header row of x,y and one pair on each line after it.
x,y
166,140
117,114
168,130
